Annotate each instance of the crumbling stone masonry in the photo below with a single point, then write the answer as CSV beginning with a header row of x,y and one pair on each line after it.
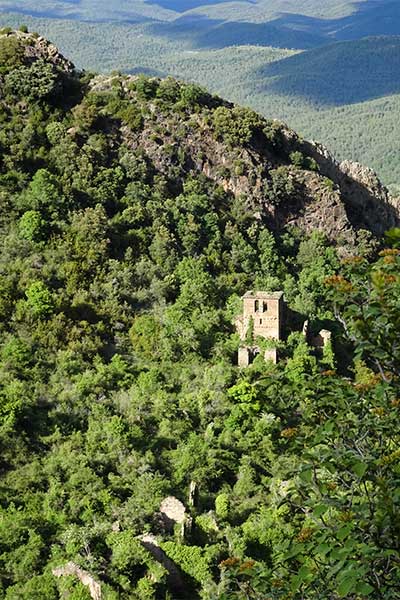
x,y
263,317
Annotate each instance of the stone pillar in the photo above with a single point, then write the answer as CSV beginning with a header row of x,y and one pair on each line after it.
x,y
243,357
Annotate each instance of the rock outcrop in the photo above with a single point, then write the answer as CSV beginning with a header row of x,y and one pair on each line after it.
x,y
172,511
338,199
38,47
366,200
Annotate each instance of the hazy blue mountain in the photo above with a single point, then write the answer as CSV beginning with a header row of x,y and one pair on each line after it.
x,y
338,74
207,33
217,23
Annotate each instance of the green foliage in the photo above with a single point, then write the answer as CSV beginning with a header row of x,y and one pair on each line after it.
x,y
145,335
281,186
393,237
145,88
122,269
297,159
222,506
168,90
302,162
193,560
245,403
250,332
302,363
234,61
131,115
55,132
236,126
14,399
11,52
36,82
372,328
16,354
39,299
32,226
192,95
43,195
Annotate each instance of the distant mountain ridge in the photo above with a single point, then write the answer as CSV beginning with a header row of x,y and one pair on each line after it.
x,y
300,24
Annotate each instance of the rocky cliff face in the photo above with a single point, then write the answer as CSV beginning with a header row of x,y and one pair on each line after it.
x,y
311,191
366,200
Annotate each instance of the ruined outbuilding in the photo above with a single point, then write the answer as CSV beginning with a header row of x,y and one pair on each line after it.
x,y
172,511
322,339
72,569
263,314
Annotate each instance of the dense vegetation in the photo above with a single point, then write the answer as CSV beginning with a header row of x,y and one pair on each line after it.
x,y
343,95
119,286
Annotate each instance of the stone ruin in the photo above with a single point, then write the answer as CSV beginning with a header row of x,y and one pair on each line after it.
x,y
322,339
152,545
263,316
263,312
318,341
172,511
84,577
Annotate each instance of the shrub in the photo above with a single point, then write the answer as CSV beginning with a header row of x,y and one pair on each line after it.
x,y
145,87
297,159
192,95
32,226
11,52
36,82
43,194
39,299
281,187
55,132
239,167
191,559
311,164
169,90
303,162
273,131
131,115
236,126
222,506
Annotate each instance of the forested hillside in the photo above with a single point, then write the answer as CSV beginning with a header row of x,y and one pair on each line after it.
x,y
135,212
344,94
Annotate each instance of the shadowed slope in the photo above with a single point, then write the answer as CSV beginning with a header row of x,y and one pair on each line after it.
x,y
338,74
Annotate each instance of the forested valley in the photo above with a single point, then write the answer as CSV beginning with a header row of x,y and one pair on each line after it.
x,y
135,213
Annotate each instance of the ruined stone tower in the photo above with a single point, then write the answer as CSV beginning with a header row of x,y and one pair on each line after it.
x,y
263,314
